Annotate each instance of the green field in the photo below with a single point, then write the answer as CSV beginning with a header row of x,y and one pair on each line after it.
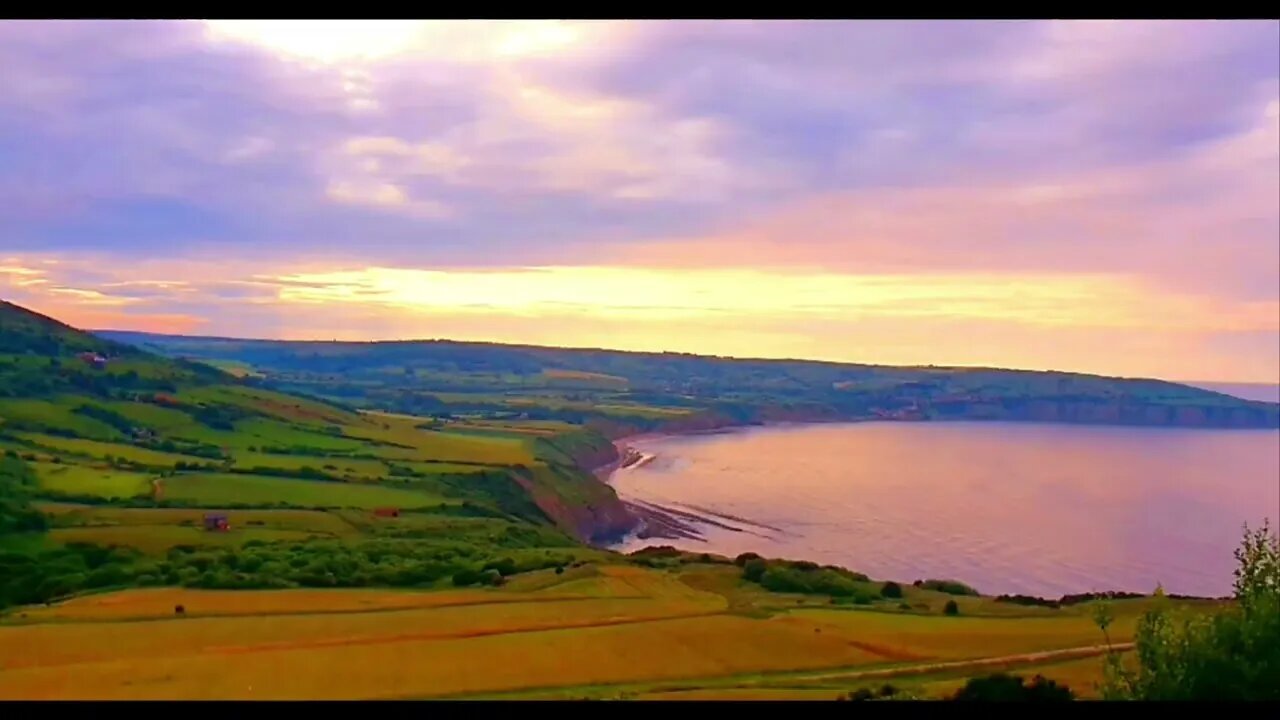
x,y
157,539
83,480
358,467
312,521
100,450
54,413
214,489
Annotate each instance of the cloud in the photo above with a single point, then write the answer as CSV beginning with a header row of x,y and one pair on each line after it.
x,y
1036,321
1135,160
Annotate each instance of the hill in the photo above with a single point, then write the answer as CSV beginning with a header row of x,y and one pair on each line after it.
x,y
109,446
620,392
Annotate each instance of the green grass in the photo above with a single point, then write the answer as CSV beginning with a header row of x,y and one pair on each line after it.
x,y
84,480
285,407
444,446
157,539
148,415
221,489
55,414
336,466
235,367
259,431
67,515
100,450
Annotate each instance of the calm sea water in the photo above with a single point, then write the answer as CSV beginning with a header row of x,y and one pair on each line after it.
x,y
1007,507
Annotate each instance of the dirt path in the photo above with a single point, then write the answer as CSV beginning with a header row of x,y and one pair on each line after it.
x,y
789,678
1063,654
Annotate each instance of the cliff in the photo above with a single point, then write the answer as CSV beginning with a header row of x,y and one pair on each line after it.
x,y
1095,411
564,486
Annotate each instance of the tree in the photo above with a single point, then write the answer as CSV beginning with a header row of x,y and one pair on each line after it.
x,y
951,608
891,590
1230,654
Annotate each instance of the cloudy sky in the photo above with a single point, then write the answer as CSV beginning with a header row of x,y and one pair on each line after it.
x,y
1092,196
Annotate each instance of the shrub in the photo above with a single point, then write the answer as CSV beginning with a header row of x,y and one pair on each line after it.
x,y
753,569
951,608
951,587
891,590
1232,654
1028,600
1001,687
885,691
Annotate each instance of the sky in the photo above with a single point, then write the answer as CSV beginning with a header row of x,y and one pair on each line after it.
x,y
1098,196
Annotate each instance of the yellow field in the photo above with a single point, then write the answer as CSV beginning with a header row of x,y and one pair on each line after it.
x,y
591,632
941,637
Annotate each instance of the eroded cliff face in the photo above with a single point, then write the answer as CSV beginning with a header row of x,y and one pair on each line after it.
x,y
565,487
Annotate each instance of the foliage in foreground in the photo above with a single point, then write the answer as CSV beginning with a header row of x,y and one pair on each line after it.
x,y
1000,687
1233,654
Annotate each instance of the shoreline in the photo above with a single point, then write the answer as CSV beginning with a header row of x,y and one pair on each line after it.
x,y
672,520
654,521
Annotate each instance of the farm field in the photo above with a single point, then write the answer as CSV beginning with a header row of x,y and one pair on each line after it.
x,y
158,539
101,450
226,488
72,515
610,631
85,480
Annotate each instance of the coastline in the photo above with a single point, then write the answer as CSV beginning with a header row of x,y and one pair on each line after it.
x,y
694,528
654,521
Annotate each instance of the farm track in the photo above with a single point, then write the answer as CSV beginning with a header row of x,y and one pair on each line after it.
x,y
1060,655
802,678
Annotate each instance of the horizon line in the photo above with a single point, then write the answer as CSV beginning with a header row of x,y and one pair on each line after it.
x,y
678,353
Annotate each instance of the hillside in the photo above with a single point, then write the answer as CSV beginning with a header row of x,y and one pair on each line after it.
x,y
620,392
107,445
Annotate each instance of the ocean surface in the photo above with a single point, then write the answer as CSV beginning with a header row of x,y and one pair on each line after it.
x,y
1007,507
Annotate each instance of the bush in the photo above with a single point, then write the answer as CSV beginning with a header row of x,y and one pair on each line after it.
x,y
884,692
1000,687
1232,654
753,569
951,608
1031,600
891,590
951,587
